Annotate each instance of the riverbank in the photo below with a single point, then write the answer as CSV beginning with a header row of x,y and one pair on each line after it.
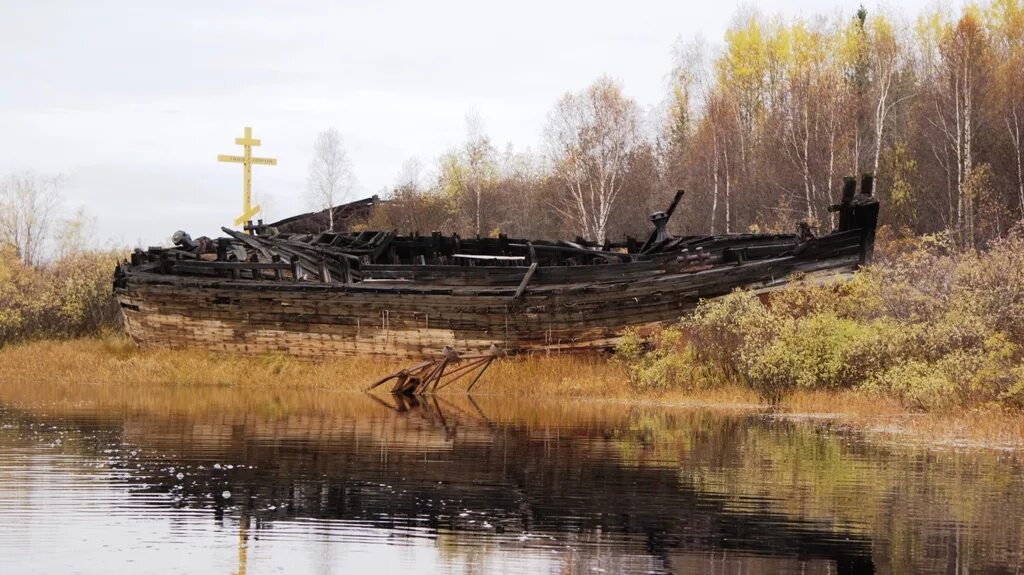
x,y
113,369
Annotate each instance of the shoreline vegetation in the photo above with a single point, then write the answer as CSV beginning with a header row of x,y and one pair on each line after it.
x,y
927,344
932,327
111,371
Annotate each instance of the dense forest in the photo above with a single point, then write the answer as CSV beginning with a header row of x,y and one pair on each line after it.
x,y
760,130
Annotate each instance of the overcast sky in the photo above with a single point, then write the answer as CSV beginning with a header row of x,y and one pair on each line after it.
x,y
133,100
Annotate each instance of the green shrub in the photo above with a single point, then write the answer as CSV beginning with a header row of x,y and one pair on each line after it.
x,y
724,334
1014,394
961,378
918,384
820,351
659,363
931,326
66,298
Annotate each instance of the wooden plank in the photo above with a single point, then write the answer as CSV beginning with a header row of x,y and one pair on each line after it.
x,y
491,258
526,280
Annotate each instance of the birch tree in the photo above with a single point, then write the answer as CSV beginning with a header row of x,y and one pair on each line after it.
x,y
29,203
591,136
887,61
330,174
481,169
806,64
1007,22
960,76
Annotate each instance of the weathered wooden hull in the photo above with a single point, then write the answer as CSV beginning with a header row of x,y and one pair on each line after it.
x,y
318,320
377,293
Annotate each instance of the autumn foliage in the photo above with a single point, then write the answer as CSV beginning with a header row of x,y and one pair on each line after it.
x,y
759,128
936,327
68,297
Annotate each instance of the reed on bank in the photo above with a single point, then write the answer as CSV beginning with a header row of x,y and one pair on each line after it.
x,y
111,371
112,358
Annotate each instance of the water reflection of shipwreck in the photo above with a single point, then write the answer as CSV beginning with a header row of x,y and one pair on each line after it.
x,y
618,490
317,294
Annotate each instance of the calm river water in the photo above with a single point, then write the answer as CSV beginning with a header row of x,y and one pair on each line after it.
x,y
212,480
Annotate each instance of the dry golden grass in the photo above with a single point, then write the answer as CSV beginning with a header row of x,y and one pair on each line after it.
x,y
115,359
112,371
841,402
584,376
989,426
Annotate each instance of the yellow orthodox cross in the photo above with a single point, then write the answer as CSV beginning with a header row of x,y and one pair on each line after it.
x,y
247,160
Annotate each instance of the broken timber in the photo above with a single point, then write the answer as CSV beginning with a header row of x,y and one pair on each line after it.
x,y
430,376
377,292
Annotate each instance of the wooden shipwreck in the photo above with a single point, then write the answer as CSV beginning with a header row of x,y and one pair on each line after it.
x,y
380,293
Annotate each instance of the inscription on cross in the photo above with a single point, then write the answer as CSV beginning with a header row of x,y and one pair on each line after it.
x,y
247,160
